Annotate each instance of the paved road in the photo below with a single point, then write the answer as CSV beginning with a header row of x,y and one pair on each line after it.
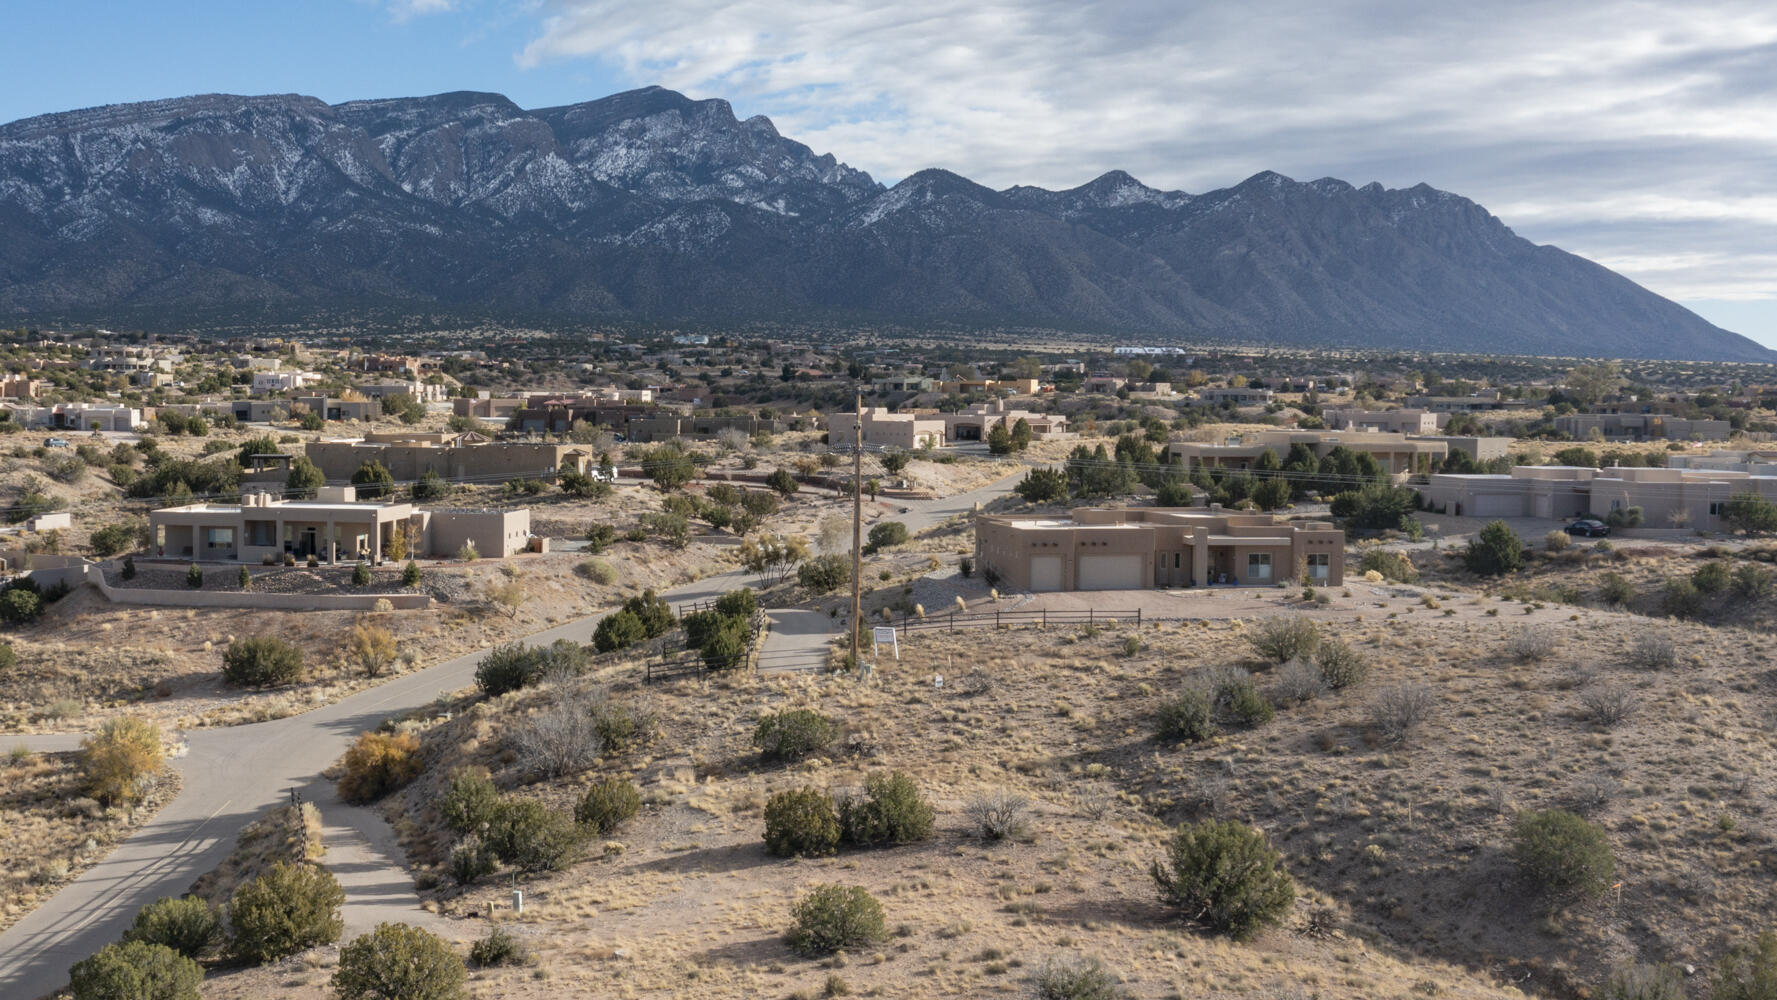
x,y
233,775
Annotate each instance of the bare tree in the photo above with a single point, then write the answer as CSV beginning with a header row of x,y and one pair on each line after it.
x,y
999,816
560,739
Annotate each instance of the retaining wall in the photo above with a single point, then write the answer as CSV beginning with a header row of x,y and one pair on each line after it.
x,y
91,573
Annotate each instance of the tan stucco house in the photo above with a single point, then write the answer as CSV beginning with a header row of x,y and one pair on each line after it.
x,y
334,527
1096,548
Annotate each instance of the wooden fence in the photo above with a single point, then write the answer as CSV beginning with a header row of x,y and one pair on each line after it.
x,y
1042,619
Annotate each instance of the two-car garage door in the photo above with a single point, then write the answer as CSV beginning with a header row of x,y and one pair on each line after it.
x,y
1118,572
1496,505
1122,572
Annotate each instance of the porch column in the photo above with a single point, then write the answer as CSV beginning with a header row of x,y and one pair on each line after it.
x,y
332,544
1199,561
376,542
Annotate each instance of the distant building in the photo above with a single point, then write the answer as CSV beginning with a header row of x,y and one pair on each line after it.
x,y
408,456
974,423
1236,395
1397,454
1138,548
884,429
17,386
903,383
1642,427
1668,498
270,382
78,416
1387,421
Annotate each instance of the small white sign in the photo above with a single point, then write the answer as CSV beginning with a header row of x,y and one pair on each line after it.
x,y
885,636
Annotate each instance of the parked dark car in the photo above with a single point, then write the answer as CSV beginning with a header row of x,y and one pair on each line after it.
x,y
1588,528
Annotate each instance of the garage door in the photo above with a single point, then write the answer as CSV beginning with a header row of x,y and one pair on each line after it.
x,y
1110,572
1497,505
1045,573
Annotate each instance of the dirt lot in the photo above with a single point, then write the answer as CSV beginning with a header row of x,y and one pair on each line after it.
x,y
1399,848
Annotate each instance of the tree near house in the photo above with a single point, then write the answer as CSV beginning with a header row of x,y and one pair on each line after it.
x,y
373,481
262,444
999,440
1020,434
304,479
894,461
1750,513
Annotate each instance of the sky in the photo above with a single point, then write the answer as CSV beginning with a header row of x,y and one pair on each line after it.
x,y
1642,135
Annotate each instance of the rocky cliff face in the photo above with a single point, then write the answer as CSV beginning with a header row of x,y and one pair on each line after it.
x,y
647,205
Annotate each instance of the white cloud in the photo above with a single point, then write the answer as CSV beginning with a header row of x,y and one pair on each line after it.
x,y
1599,124
402,10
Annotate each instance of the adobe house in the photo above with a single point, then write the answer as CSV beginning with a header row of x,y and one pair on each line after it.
x,y
974,423
1547,491
334,526
1097,548
885,429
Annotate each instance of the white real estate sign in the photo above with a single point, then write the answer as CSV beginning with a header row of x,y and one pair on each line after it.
x,y
885,636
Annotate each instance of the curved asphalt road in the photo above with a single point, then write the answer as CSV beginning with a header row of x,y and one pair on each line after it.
x,y
233,775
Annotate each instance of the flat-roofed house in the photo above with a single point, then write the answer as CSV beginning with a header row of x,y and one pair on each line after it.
x,y
1388,421
974,423
884,429
334,526
1547,491
410,455
1096,548
1642,427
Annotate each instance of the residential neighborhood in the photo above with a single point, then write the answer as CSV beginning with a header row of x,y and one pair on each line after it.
x,y
400,576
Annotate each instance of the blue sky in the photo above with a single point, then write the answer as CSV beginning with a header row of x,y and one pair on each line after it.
x,y
1638,133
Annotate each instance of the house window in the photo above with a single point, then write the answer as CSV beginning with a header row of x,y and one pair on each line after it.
x,y
1258,566
1717,508
219,538
1319,565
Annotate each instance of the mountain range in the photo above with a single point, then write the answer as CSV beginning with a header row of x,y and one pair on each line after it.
x,y
648,206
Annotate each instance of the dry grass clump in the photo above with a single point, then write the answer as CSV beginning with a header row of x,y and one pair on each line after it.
x,y
1608,705
1532,644
1653,651
1396,712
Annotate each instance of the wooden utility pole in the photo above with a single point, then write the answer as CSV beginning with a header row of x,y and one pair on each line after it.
x,y
857,533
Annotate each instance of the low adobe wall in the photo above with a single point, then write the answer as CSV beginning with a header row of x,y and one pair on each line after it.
x,y
1667,534
91,573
